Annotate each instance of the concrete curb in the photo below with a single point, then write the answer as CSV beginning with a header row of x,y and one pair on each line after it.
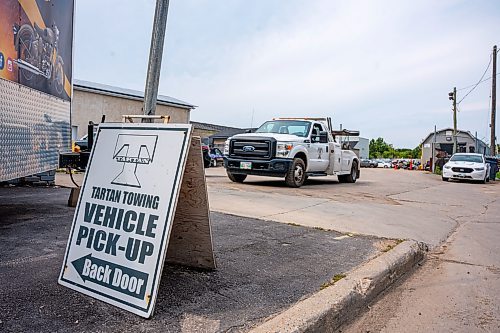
x,y
333,306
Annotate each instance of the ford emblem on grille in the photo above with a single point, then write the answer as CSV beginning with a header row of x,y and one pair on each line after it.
x,y
248,149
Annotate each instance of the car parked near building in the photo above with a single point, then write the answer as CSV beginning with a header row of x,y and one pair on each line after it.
x,y
467,166
217,156
366,163
384,164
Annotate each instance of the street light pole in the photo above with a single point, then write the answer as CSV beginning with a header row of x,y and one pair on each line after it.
x,y
155,57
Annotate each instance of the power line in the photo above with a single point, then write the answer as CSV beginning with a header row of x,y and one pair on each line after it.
x,y
478,82
472,85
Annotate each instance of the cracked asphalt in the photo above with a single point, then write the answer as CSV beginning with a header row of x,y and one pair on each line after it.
x,y
264,267
456,289
383,202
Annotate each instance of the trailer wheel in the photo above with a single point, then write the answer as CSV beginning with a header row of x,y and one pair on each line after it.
x,y
296,175
353,176
236,177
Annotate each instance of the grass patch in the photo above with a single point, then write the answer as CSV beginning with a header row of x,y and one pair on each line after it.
x,y
393,245
336,278
498,175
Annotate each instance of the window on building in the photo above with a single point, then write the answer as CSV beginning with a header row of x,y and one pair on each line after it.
x,y
472,149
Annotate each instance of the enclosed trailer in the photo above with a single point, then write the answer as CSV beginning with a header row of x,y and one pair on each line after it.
x,y
36,56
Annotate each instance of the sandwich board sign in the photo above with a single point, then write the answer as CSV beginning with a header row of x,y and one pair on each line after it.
x,y
122,224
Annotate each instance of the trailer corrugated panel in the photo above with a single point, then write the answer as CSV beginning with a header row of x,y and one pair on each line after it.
x,y
34,128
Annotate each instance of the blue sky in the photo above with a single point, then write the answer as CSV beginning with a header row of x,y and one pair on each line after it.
x,y
382,67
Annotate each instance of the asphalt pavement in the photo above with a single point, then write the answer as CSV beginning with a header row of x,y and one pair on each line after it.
x,y
264,267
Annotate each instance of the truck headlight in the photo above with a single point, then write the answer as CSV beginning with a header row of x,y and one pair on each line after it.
x,y
226,147
283,149
479,169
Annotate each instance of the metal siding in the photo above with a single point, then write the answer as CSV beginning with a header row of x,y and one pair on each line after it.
x,y
34,128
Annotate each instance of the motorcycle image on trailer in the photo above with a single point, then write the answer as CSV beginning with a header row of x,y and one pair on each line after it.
x,y
37,52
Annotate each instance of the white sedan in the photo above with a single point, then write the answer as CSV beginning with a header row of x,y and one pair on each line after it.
x,y
467,166
384,164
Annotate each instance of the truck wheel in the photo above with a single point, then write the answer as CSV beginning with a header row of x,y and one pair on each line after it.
x,y
296,175
353,176
236,177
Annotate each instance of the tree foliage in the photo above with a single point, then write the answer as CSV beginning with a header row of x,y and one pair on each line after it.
x,y
381,149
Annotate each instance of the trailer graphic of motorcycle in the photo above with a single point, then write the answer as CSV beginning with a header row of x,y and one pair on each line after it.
x,y
37,55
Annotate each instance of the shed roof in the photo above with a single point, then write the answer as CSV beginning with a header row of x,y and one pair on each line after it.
x,y
104,89
468,133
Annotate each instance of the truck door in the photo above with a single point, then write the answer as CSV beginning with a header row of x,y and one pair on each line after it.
x,y
319,157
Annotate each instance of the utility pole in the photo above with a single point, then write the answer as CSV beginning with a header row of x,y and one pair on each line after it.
x,y
155,57
453,96
493,102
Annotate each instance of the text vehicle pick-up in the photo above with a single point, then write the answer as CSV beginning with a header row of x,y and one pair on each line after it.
x,y
291,148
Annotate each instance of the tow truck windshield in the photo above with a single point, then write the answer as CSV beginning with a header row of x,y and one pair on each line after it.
x,y
294,127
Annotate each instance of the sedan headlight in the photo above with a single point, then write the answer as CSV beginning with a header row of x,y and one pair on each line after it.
x,y
226,147
479,169
446,166
283,149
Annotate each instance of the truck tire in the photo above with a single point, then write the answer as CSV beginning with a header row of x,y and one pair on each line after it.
x,y
296,175
236,177
353,176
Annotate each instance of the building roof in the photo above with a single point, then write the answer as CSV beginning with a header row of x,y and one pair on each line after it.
x,y
210,127
224,134
468,133
127,93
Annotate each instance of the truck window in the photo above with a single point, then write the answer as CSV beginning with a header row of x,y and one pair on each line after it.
x,y
294,127
317,128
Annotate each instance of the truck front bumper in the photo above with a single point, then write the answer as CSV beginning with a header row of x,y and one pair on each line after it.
x,y
276,167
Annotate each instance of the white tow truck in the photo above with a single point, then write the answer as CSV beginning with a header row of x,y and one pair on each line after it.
x,y
293,148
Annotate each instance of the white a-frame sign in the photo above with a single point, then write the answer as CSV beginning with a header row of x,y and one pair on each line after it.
x,y
144,192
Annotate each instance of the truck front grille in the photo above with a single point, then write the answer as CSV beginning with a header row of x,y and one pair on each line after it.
x,y
251,149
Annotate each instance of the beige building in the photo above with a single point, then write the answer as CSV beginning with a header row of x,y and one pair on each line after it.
x,y
93,100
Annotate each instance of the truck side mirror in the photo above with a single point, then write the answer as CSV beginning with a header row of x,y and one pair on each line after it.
x,y
323,137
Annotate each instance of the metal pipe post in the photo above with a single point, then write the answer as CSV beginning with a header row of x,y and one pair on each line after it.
x,y
155,57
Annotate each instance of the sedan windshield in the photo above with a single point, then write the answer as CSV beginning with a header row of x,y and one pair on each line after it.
x,y
294,127
466,158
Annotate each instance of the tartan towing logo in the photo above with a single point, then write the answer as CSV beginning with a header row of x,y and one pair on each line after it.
x,y
132,151
122,222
